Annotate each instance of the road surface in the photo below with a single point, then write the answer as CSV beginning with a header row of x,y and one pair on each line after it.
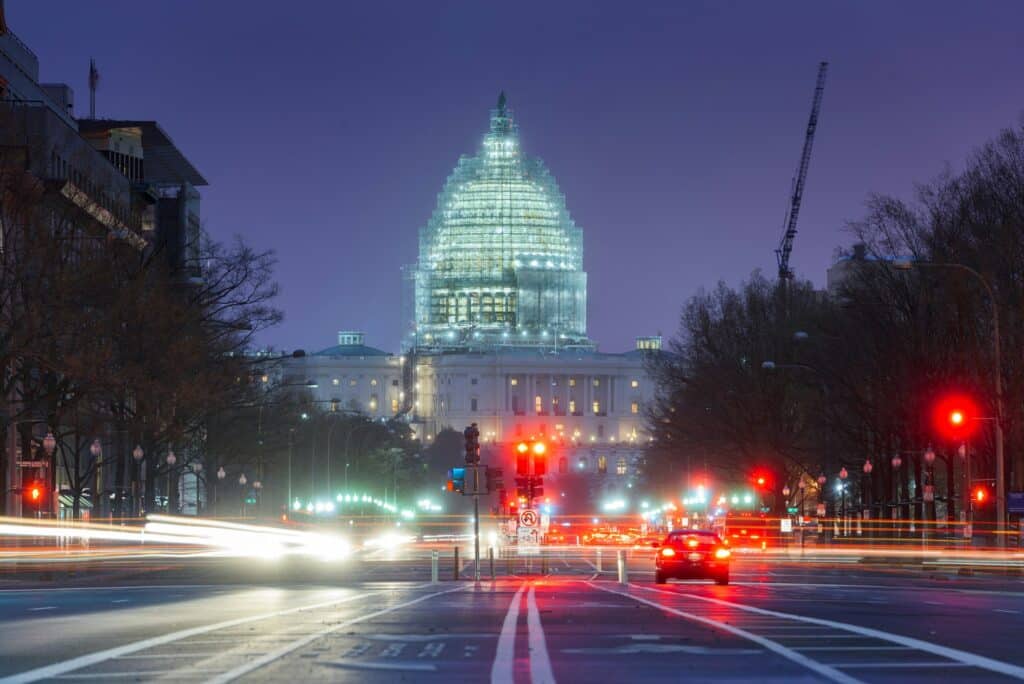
x,y
775,622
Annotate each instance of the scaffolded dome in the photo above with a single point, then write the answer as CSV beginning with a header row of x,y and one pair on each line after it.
x,y
501,261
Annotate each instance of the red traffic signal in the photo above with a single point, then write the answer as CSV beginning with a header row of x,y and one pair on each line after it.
x,y
33,494
956,417
980,495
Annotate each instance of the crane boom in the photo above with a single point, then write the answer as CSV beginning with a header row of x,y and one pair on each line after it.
x,y
789,232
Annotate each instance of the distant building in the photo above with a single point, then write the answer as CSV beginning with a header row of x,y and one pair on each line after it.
x,y
498,330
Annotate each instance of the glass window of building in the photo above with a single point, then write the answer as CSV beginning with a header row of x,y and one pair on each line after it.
x,y
582,464
335,382
394,383
600,430
602,465
473,381
394,405
620,467
634,407
597,407
373,382
353,382
572,382
472,404
335,404
373,403
572,406
513,381
634,383
597,382
538,404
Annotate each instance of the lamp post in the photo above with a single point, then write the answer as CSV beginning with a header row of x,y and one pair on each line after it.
x,y
802,486
843,474
241,483
197,469
96,449
221,474
928,495
896,463
998,386
171,460
137,455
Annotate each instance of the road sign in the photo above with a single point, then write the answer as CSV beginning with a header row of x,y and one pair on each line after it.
x,y
32,464
528,518
528,541
785,524
1015,502
476,480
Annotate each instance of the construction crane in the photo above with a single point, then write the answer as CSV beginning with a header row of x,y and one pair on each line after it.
x,y
789,232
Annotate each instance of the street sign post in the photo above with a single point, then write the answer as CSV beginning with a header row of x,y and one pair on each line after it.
x,y
529,518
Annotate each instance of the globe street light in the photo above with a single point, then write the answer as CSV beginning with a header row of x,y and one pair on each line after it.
x,y
171,460
95,448
138,454
49,443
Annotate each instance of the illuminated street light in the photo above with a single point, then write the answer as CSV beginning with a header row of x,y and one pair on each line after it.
x,y
96,448
896,462
868,467
49,443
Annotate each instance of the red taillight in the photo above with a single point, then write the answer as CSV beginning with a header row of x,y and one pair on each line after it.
x,y
668,552
722,553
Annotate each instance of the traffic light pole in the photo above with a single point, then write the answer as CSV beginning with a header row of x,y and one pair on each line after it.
x,y
476,531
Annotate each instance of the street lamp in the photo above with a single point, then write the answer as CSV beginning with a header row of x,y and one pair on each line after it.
x,y
843,474
138,454
171,460
906,265
95,448
49,443
242,479
786,491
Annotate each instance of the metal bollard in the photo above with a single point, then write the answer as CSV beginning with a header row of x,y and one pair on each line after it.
x,y
455,567
490,560
623,572
599,568
433,566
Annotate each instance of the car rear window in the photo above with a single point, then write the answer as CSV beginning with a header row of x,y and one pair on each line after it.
x,y
701,536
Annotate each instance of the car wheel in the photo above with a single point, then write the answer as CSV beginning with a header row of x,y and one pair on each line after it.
x,y
659,578
722,580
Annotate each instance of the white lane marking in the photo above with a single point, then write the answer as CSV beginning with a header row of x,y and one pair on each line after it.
x,y
135,674
879,666
120,601
852,648
276,654
32,610
935,603
787,653
504,658
971,659
540,663
65,666
1005,610
399,667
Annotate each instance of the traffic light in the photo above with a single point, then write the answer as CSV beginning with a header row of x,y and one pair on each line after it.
x,y
762,480
472,435
494,479
457,480
956,417
33,495
522,459
540,460
980,495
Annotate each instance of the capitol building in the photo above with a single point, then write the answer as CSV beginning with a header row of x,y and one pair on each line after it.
x,y
496,315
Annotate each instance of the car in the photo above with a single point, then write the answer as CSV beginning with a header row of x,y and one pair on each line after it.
x,y
692,554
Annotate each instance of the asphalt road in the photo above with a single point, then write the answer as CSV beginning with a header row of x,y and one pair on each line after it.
x,y
775,622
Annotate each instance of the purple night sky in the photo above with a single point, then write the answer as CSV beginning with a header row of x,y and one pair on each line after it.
x,y
326,129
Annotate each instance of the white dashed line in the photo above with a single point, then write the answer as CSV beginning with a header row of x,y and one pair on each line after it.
x,y
32,610
1006,610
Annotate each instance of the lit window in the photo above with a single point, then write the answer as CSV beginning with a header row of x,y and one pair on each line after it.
x,y
373,383
335,382
572,382
597,407
602,464
352,382
559,427
472,404
634,383
634,407
620,467
597,382
572,406
394,405
265,378
513,381
538,404
373,403
335,404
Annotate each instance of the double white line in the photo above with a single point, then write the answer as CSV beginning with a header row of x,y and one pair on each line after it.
x,y
503,669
